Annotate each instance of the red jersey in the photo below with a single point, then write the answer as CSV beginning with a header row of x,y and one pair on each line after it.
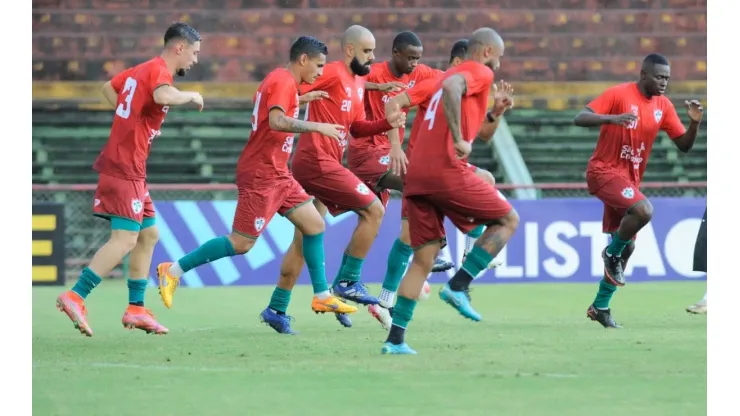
x,y
375,101
137,120
435,164
625,150
343,106
265,157
419,96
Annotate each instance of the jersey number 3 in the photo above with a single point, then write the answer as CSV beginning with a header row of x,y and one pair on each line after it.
x,y
432,109
129,88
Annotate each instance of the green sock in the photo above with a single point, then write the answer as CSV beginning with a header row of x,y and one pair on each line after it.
x,y
476,261
604,295
352,269
617,245
398,260
339,272
403,312
313,252
211,250
280,300
477,231
136,290
86,283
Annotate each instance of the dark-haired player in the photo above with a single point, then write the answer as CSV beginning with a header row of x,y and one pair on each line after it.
x,y
317,165
440,184
630,116
419,96
141,96
266,186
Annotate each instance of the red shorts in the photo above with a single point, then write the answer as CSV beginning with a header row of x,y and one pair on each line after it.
x,y
256,206
404,205
335,186
371,166
477,203
618,195
123,198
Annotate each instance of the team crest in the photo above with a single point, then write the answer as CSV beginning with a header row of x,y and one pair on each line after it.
x,y
136,205
628,193
412,83
658,115
348,91
385,160
259,223
362,189
360,92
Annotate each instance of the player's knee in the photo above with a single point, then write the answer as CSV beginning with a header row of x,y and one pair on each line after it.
x,y
486,176
511,220
149,236
374,212
124,238
643,210
423,260
240,243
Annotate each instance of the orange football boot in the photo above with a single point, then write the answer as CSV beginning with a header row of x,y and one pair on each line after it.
x,y
73,305
167,283
331,304
139,317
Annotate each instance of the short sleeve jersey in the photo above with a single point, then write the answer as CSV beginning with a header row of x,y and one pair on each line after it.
x,y
264,159
375,101
137,120
419,97
435,165
625,150
343,106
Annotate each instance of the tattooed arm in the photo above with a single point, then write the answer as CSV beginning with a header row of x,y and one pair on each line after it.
x,y
280,122
453,89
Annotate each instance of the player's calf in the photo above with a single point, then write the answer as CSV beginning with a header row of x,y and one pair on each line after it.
x,y
633,221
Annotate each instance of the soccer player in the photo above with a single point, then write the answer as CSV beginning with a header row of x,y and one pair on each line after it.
x,y
630,116
700,264
419,96
317,165
440,184
265,184
368,157
141,96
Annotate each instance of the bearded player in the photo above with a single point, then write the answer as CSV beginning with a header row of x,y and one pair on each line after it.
x,y
440,184
265,184
317,165
141,96
368,157
419,96
630,116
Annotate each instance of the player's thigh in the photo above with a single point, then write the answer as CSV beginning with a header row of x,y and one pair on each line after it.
x,y
297,208
255,208
475,204
372,167
426,222
120,199
340,190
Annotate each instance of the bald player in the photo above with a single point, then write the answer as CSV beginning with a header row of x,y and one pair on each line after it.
x,y
440,184
317,166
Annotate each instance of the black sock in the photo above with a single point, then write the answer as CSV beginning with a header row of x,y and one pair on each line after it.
x,y
460,281
396,334
136,303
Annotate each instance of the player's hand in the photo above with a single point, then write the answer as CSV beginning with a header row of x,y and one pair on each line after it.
x,y
398,160
463,149
503,97
198,100
393,86
695,110
335,131
623,119
396,117
312,96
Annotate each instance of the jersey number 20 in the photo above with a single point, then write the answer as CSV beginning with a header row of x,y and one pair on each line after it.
x,y
432,109
129,88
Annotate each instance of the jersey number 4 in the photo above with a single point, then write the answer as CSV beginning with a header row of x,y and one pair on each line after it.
x,y
129,88
432,109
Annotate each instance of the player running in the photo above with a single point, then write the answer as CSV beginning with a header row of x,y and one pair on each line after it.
x,y
265,184
368,157
419,96
317,165
440,184
630,116
700,264
141,96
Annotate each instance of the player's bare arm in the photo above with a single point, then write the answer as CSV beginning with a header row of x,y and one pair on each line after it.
x,y
453,89
169,95
696,112
280,122
312,96
110,93
387,87
588,118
